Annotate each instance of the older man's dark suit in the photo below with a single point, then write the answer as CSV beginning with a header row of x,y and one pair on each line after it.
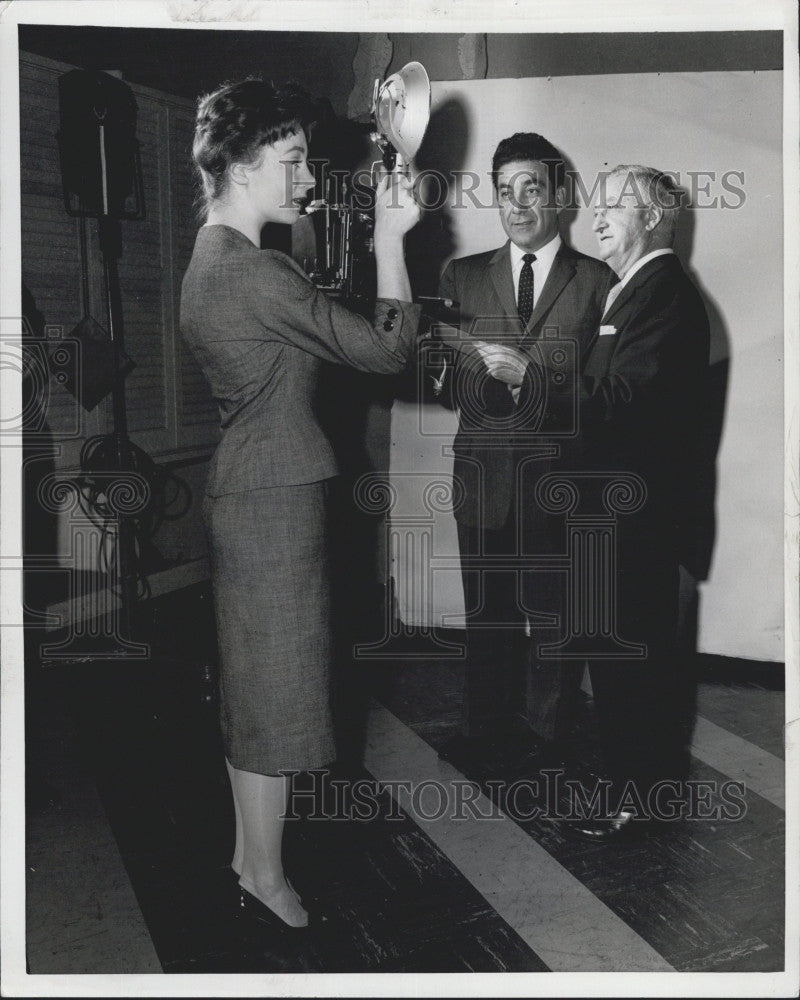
x,y
640,397
494,462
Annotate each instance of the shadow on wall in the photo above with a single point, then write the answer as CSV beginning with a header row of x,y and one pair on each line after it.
x,y
439,160
701,546
440,157
699,535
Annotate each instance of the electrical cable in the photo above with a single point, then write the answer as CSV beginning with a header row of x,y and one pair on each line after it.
x,y
169,498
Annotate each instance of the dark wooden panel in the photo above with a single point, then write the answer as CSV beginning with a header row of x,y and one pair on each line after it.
x,y
49,237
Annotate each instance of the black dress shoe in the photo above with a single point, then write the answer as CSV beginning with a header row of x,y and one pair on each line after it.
x,y
254,909
621,826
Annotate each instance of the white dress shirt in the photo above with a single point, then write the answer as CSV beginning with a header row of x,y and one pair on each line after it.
x,y
541,266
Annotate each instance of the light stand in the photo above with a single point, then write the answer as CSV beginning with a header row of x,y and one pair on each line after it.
x,y
101,169
110,247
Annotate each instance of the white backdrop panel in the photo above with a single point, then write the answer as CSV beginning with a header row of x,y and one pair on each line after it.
x,y
702,122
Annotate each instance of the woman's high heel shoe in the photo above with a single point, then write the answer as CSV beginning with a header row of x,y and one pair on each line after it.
x,y
296,893
238,875
253,908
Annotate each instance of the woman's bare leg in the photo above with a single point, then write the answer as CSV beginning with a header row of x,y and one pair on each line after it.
x,y
260,805
238,850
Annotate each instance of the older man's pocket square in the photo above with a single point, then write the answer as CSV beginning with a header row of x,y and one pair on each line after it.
x,y
608,331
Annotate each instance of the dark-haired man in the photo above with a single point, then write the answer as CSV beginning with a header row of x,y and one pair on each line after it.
x,y
529,292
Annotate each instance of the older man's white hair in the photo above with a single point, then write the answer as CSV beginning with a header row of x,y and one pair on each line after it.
x,y
654,187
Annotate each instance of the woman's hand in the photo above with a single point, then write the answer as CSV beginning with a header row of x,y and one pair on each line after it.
x,y
396,211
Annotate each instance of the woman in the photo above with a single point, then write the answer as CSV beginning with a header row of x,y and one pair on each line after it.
x,y
261,331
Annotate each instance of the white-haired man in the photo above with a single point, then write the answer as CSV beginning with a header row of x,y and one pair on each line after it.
x,y
643,385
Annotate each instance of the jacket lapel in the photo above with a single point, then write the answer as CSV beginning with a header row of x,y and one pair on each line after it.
x,y
560,275
636,282
503,280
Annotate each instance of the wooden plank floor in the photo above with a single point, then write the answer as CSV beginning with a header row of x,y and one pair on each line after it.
x,y
398,893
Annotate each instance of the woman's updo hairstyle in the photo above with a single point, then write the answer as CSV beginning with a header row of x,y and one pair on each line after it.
x,y
236,121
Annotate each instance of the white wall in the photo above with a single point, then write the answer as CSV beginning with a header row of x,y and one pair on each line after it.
x,y
717,122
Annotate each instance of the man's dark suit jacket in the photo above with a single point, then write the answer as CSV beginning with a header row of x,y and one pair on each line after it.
x,y
488,449
641,394
640,403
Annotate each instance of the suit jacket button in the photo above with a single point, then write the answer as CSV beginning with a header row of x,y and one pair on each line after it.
x,y
388,325
392,313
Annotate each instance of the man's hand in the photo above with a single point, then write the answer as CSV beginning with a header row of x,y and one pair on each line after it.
x,y
503,362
